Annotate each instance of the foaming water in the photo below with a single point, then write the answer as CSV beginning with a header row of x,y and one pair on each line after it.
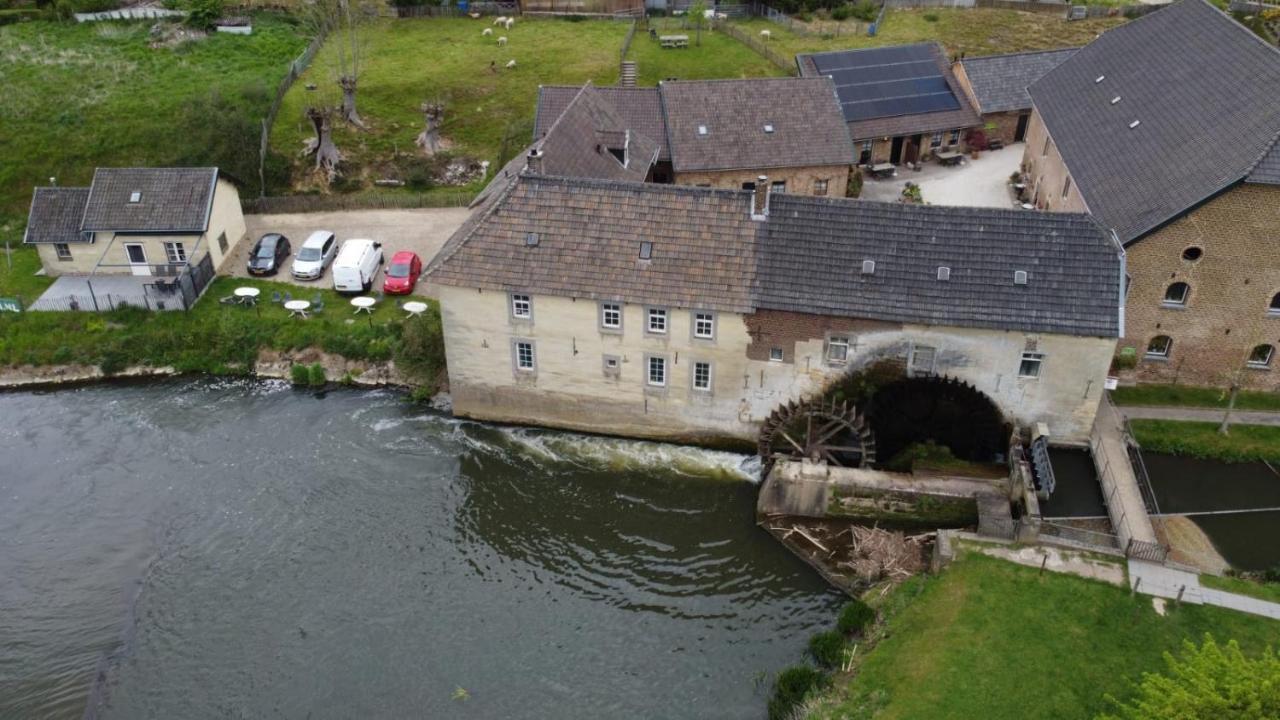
x,y
231,548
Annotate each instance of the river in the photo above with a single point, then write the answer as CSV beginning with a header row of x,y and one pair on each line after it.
x,y
204,548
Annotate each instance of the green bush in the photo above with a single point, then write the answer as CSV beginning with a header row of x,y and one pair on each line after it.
x,y
855,616
841,12
931,17
315,375
202,14
299,374
421,349
866,10
791,688
854,188
827,648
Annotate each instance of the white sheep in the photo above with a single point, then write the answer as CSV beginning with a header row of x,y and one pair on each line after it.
x,y
509,23
511,64
500,19
487,32
765,34
502,41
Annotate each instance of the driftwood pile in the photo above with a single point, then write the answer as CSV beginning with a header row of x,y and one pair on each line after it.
x,y
870,554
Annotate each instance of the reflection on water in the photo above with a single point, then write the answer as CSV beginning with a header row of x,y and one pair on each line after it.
x,y
236,549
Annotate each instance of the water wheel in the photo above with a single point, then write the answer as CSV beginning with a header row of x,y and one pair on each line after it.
x,y
820,429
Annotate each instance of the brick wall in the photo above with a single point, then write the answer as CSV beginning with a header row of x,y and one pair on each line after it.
x,y
800,180
1232,284
1003,125
1047,173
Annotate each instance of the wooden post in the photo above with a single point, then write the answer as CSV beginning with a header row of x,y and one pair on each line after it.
x,y
1133,590
1225,427
1043,562
1180,591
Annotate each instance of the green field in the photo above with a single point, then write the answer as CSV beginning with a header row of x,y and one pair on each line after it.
x,y
719,56
82,95
975,31
994,640
1192,396
1202,440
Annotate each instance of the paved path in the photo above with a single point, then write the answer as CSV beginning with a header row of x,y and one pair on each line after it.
x,y
1167,582
1238,417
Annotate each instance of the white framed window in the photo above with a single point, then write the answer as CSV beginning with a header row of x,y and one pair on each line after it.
x,y
611,316
1159,347
525,358
611,365
175,252
838,349
657,321
656,372
521,307
702,376
1030,365
1176,294
704,325
820,186
778,186
776,354
955,138
1274,307
63,250
1260,357
936,140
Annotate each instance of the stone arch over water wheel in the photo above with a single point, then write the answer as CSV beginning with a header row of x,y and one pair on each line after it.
x,y
940,410
818,429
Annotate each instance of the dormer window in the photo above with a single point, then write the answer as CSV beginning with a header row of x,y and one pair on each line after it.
x,y
646,250
868,267
531,239
702,129
135,196
1019,277
768,128
944,273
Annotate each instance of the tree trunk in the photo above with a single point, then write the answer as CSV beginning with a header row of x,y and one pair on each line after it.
x,y
348,84
326,153
429,139
1225,427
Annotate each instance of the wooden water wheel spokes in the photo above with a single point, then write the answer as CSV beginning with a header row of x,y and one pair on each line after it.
x,y
822,429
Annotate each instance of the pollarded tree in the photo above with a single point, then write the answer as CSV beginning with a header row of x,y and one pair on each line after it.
x,y
1211,682
340,21
698,13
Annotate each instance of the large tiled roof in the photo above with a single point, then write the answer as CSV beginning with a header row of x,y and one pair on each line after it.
x,y
170,200
1267,169
641,108
578,143
1203,91
55,216
1000,82
813,251
806,257
807,126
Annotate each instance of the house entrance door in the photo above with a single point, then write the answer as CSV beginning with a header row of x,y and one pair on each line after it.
x,y
913,148
137,258
895,151
1020,133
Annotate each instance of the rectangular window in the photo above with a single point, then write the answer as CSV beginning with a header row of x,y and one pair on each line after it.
x,y
521,307
63,250
1260,357
222,243
838,349
1159,347
657,371
657,321
1066,187
611,316
922,357
936,140
1045,152
779,186
820,187
702,376
175,252
524,356
612,366
864,155
1030,366
775,354
955,138
704,325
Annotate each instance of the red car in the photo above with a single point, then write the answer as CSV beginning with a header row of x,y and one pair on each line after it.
x,y
402,273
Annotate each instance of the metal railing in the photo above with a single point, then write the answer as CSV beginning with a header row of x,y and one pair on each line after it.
x,y
1081,536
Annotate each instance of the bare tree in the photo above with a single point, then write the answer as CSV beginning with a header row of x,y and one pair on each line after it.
x,y
429,139
341,22
321,146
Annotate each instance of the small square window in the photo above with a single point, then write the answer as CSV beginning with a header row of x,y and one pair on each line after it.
x,y
63,250
657,376
175,252
521,307
768,128
646,250
657,321
704,325
838,349
819,187
936,140
612,366
1030,365
944,273
135,196
702,376
1260,357
611,316
955,138
778,186
1159,347
702,129
775,354
524,356
531,239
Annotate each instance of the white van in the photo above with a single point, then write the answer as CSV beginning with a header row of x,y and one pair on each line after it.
x,y
357,263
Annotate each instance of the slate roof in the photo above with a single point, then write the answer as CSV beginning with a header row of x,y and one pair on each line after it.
x,y
1204,90
811,262
55,216
806,257
808,127
893,124
1267,169
577,144
172,200
1000,82
640,108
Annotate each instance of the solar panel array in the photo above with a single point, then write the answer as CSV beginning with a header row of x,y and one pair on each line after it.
x,y
887,82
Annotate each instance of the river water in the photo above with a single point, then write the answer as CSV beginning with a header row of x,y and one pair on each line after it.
x,y
201,549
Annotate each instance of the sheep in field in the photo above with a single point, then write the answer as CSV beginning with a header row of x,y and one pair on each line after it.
x,y
509,23
487,32
500,20
502,41
765,34
511,64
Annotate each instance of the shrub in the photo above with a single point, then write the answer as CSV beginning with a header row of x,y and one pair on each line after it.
x,y
315,375
202,14
931,17
866,11
791,688
854,188
299,374
855,616
827,648
421,349
841,13
1126,359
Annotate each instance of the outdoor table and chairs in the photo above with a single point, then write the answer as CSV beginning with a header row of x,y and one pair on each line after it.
x,y
674,41
949,158
297,308
247,295
415,308
882,170
364,304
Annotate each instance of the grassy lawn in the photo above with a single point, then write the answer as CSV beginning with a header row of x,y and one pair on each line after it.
x,y
219,338
719,56
1202,440
976,31
994,640
81,95
18,268
1191,396
408,62
1260,590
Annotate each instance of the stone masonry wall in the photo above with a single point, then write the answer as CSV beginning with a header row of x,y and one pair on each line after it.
x,y
800,180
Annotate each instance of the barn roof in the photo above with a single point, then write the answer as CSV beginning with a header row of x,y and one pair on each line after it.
x,y
55,215
1000,82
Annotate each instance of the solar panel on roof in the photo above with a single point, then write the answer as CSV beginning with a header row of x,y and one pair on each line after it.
x,y
887,82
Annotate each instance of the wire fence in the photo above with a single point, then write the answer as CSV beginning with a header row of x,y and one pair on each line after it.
x,y
759,47
296,68
355,201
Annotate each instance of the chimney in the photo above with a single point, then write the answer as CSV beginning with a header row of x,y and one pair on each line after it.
x,y
534,165
760,199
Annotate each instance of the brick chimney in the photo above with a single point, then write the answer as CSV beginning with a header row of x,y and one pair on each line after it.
x,y
760,199
534,163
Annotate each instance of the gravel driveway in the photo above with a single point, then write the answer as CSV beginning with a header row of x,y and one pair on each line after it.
x,y
423,231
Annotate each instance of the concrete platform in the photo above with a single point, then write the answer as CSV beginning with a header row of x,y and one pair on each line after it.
x,y
104,292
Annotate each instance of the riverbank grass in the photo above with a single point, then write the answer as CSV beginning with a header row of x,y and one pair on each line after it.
x,y
1261,590
1245,443
1193,396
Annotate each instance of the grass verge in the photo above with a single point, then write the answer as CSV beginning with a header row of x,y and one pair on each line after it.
x,y
18,269
1260,590
995,640
719,56
1193,396
1246,443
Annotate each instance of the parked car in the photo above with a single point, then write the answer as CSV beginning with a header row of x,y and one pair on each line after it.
x,y
268,254
315,255
357,263
402,274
